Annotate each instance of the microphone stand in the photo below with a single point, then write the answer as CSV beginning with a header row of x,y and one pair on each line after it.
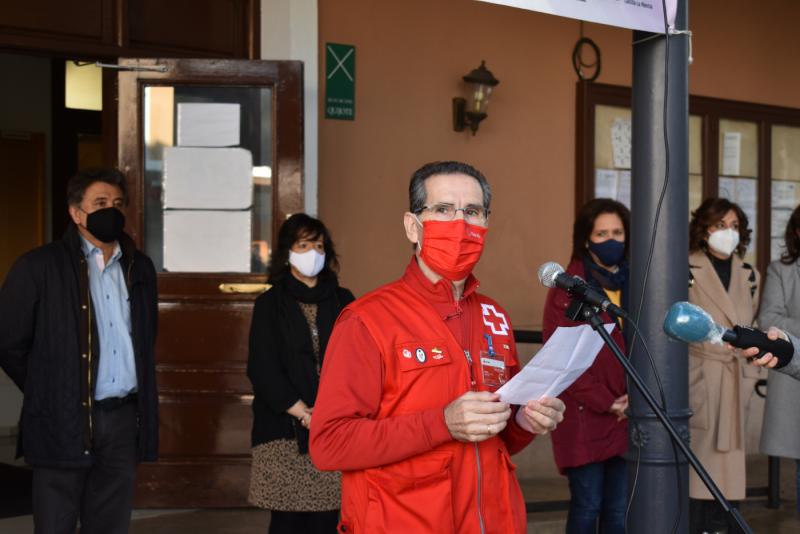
x,y
592,315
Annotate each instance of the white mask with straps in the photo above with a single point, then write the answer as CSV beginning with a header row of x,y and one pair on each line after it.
x,y
724,241
309,263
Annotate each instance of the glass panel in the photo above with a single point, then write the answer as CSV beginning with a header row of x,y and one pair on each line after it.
x,y
738,164
695,145
208,178
612,153
695,162
695,192
785,187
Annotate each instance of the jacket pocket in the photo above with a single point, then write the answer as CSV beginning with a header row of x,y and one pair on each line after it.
x,y
698,395
411,496
503,501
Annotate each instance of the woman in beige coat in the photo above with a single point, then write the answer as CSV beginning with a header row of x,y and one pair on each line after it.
x,y
720,384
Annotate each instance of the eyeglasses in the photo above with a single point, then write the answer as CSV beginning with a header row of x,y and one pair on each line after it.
x,y
447,212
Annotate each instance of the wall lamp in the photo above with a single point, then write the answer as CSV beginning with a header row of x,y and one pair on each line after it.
x,y
481,82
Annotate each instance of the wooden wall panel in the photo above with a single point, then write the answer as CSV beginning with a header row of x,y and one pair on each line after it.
x,y
197,330
213,483
190,27
76,19
225,378
219,425
95,29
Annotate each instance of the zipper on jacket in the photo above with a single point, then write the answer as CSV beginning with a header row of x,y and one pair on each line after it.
x,y
477,452
472,382
89,368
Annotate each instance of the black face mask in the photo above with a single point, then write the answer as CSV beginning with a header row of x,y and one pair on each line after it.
x,y
106,224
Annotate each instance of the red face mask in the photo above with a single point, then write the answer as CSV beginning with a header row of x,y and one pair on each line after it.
x,y
452,248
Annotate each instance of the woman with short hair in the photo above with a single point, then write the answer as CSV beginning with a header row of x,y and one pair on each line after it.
x,y
721,385
291,325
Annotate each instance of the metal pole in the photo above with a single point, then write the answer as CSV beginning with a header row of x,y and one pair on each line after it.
x,y
662,486
734,517
774,486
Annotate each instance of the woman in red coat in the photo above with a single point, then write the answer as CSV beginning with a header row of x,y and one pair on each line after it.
x,y
589,444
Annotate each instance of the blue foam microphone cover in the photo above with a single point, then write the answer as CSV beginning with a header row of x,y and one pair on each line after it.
x,y
691,323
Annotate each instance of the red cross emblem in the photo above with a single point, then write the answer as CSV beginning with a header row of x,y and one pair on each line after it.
x,y
494,320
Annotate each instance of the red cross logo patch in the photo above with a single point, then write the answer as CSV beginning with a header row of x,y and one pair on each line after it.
x,y
494,320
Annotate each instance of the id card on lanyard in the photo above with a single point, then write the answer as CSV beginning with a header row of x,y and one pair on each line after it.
x,y
493,366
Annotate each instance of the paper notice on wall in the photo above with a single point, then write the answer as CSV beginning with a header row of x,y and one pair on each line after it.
x,y
780,218
746,194
644,15
208,178
207,241
621,142
208,124
776,248
606,182
784,194
731,153
624,190
727,188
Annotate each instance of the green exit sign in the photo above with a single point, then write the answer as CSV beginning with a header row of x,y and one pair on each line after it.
x,y
340,81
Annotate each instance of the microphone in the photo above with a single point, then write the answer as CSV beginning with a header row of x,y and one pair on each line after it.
x,y
691,323
552,274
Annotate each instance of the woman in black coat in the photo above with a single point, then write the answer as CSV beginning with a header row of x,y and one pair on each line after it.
x,y
291,325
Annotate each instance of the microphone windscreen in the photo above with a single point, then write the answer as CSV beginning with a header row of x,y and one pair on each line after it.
x,y
690,323
548,272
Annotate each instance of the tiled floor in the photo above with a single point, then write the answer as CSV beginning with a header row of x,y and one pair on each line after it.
x,y
251,521
248,521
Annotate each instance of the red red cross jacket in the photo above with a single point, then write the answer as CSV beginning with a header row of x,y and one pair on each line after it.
x,y
395,360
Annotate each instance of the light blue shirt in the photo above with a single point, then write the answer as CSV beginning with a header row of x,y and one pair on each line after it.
x,y
116,373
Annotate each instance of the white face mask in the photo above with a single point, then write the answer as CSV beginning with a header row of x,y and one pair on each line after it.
x,y
724,241
309,263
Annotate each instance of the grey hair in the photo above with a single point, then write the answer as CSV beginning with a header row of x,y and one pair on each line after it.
x,y
416,188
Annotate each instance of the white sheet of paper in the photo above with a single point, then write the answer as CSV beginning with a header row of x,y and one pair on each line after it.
x,y
624,189
621,143
208,124
727,188
605,183
777,246
731,153
206,241
783,194
569,352
746,194
780,218
208,178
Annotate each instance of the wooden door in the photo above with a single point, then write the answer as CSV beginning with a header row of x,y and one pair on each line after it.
x,y
21,195
213,152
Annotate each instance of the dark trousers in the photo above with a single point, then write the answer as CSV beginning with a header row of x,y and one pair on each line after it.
x,y
100,496
598,493
708,517
303,522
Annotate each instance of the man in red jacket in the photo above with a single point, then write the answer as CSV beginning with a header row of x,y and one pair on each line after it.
x,y
406,407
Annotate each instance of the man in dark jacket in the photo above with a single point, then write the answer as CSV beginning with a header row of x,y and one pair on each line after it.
x,y
77,333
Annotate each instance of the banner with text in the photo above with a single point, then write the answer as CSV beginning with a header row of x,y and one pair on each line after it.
x,y
646,15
